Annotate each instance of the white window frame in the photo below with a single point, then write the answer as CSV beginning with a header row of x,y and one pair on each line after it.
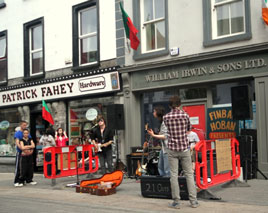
x,y
34,51
214,19
80,37
143,28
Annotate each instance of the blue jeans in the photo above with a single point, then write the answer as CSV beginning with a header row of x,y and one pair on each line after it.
x,y
163,165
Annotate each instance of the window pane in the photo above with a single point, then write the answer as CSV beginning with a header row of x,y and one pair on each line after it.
x,y
237,17
148,10
2,47
37,62
223,20
159,9
160,32
88,22
10,119
37,37
150,36
88,50
3,70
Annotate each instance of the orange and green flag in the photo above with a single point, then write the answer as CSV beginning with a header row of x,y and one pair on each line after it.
x,y
265,11
130,29
46,114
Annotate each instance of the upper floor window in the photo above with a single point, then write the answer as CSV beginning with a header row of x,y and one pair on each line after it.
x,y
3,56
150,17
34,48
153,25
228,17
226,21
85,34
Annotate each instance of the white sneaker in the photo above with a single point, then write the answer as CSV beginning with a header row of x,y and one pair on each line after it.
x,y
33,183
18,184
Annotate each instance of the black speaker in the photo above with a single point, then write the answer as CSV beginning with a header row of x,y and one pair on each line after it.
x,y
115,116
241,103
159,187
247,159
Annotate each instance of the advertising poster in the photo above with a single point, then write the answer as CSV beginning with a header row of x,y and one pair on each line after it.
x,y
220,123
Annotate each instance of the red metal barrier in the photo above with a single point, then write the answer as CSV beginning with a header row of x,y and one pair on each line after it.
x,y
206,148
62,161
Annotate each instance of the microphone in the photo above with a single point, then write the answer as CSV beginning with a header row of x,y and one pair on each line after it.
x,y
95,126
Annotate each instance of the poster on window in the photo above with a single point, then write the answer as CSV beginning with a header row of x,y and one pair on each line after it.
x,y
220,123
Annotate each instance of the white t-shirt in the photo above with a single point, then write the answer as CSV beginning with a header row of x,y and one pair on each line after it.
x,y
193,138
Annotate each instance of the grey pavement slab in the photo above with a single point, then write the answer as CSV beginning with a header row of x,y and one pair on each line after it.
x,y
46,198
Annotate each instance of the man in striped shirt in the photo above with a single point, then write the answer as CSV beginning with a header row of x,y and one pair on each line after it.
x,y
178,124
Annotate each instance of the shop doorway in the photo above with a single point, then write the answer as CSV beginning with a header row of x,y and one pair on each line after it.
x,y
197,115
37,128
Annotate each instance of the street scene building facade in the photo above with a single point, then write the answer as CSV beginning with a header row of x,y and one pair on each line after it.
x,y
74,55
213,55
64,53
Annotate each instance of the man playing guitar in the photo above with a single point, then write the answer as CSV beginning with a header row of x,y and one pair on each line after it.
x,y
102,138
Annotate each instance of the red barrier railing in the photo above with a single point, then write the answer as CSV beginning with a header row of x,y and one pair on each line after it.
x,y
64,161
207,150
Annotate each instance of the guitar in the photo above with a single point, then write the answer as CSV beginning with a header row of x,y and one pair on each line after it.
x,y
141,167
138,170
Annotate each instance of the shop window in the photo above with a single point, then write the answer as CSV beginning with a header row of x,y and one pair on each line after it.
x,y
85,34
34,48
9,120
82,117
151,20
221,93
226,21
221,97
3,56
193,93
161,98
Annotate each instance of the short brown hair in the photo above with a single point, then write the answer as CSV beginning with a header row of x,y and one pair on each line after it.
x,y
174,101
23,122
160,111
100,117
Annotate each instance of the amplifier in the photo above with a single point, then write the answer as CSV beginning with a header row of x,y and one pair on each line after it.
x,y
159,187
136,149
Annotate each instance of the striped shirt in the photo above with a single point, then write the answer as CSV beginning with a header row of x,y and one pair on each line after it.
x,y
178,124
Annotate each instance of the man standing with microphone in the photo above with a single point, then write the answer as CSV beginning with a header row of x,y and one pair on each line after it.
x,y
178,124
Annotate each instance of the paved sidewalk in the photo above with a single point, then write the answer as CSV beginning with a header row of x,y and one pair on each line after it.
x,y
46,198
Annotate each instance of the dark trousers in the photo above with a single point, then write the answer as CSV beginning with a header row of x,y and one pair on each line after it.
x,y
104,157
26,169
17,168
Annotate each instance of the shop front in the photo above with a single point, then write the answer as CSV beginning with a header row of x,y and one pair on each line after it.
x,y
75,101
214,92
